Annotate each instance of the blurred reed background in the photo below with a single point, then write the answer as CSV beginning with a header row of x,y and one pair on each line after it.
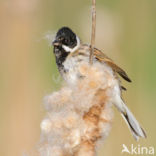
x,y
126,31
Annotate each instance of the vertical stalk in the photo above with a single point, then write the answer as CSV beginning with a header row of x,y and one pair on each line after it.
x,y
93,31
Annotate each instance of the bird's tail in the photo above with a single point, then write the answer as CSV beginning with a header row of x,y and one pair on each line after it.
x,y
133,124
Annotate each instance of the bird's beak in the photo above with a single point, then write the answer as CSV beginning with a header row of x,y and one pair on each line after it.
x,y
55,43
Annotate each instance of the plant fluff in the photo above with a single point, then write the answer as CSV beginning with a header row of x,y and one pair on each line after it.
x,y
79,115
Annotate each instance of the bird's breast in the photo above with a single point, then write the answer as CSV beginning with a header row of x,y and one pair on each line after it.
x,y
71,66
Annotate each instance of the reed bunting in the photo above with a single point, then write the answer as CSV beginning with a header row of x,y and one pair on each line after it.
x,y
70,53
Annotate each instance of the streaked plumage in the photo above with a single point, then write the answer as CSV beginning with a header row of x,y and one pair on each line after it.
x,y
69,60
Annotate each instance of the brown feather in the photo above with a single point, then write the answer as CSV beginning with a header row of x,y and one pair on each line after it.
x,y
123,88
103,58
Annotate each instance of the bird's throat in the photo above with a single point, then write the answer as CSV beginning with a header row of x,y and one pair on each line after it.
x,y
61,56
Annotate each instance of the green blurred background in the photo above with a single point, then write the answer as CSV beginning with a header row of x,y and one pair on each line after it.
x,y
126,32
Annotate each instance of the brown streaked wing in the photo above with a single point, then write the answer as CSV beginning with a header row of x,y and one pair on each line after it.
x,y
103,58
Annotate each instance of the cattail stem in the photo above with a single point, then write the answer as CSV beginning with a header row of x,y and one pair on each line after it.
x,y
93,31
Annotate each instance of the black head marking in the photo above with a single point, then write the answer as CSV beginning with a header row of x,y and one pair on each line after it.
x,y
60,55
65,36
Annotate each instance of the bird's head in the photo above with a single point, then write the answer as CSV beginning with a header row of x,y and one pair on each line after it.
x,y
66,39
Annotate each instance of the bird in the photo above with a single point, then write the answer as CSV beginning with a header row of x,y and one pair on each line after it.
x,y
70,52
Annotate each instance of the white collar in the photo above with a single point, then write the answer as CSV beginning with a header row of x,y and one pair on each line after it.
x,y
71,50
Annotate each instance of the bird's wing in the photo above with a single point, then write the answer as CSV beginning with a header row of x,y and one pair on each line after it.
x,y
133,124
103,58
